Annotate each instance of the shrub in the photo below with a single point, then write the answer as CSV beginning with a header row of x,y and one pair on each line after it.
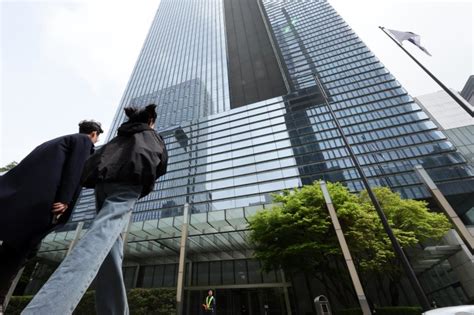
x,y
140,302
388,310
17,304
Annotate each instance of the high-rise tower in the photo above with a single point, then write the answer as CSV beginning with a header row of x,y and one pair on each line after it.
x,y
243,118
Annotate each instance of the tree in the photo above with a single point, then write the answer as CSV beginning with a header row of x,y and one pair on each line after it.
x,y
8,166
297,235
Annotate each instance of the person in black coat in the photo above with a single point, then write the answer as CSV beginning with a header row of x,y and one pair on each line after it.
x,y
38,195
121,172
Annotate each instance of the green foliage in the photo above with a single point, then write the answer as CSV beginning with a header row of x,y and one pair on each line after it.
x,y
26,276
140,301
8,166
152,301
399,310
298,234
349,311
87,304
17,304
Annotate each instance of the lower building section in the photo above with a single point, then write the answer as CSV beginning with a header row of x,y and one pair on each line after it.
x,y
219,257
448,274
240,286
241,301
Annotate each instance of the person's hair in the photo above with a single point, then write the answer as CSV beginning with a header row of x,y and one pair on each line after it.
x,y
145,115
89,126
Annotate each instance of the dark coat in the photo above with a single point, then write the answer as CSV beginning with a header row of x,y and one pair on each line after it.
x,y
50,173
136,156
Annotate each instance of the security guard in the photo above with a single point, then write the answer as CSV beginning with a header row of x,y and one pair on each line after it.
x,y
210,305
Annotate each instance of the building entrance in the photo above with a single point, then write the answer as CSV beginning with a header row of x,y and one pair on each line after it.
x,y
254,301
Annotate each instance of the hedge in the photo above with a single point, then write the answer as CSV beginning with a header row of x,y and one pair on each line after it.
x,y
140,301
162,302
388,310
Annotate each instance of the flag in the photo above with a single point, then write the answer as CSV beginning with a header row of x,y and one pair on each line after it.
x,y
409,36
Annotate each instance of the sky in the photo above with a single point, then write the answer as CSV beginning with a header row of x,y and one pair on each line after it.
x,y
62,61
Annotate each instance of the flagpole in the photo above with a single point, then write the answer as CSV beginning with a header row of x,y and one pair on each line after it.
x,y
450,93
400,254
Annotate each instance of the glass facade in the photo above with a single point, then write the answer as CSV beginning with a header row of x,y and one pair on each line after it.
x,y
223,158
443,285
230,272
388,131
239,157
186,44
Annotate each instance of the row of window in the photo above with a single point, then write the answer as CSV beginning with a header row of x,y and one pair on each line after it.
x,y
318,48
369,98
240,271
341,46
369,80
160,64
351,75
313,49
400,179
308,35
263,135
276,16
332,61
313,37
398,103
277,173
235,177
276,144
347,66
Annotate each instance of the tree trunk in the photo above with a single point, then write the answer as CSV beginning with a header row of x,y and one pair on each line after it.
x,y
394,292
343,282
381,292
332,288
310,293
293,288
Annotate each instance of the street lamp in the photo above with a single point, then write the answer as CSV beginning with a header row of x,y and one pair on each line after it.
x,y
184,142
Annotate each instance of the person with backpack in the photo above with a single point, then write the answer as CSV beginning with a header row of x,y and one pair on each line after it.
x,y
121,172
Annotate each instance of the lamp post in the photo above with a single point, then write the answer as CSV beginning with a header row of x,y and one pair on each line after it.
x,y
184,142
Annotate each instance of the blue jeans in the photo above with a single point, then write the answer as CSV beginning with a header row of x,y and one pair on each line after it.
x,y
99,252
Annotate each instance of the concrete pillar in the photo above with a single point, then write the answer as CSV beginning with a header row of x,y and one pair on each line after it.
x,y
364,305
446,207
10,291
182,260
188,297
77,235
126,231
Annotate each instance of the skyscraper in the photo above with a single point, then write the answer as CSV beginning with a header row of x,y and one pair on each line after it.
x,y
457,125
243,118
468,90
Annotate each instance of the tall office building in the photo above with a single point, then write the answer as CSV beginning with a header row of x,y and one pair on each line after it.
x,y
243,118
452,119
468,90
456,124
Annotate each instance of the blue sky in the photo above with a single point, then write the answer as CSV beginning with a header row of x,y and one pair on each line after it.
x,y
66,60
